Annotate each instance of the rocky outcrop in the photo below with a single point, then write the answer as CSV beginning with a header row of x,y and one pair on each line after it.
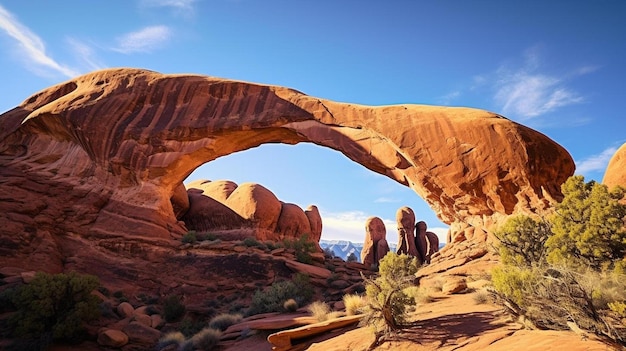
x,y
223,205
102,155
375,245
615,173
427,242
405,218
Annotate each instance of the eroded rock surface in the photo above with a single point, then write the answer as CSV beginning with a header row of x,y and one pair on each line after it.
x,y
222,205
104,154
616,170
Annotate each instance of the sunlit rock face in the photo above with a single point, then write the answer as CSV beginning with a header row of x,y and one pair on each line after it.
x,y
223,205
104,155
616,170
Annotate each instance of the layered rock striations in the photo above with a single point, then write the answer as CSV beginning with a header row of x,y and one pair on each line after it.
x,y
105,154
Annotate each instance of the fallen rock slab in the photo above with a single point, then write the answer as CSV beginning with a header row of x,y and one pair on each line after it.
x,y
282,340
312,271
112,338
272,323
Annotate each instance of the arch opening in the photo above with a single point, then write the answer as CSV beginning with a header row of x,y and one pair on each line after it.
x,y
304,174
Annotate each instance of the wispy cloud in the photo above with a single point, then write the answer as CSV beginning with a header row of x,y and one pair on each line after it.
x,y
85,54
449,98
596,162
185,7
32,47
143,40
383,199
526,93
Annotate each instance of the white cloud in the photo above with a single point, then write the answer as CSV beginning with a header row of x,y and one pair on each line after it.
x,y
386,200
31,46
185,7
85,54
596,162
528,94
144,40
350,226
449,98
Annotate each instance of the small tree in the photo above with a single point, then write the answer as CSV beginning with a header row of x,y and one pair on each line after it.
x,y
387,302
588,225
54,306
522,240
303,248
352,257
567,272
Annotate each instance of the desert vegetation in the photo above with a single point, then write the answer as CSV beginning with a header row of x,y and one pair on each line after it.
x,y
567,270
276,297
386,295
51,307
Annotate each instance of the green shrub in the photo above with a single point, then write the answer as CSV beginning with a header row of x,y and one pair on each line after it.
x,y
387,300
355,304
302,247
54,306
522,240
328,253
172,338
273,298
481,296
206,339
618,307
206,236
224,320
514,282
303,282
570,267
190,237
319,310
588,226
418,294
290,305
173,308
273,245
190,327
352,257
252,242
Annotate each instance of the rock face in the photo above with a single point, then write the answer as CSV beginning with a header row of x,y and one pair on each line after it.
x,y
616,170
219,205
104,154
405,218
427,242
375,246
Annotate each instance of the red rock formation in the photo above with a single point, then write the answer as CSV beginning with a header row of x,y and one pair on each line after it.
x,y
222,204
103,154
615,173
375,245
405,218
315,222
292,223
427,242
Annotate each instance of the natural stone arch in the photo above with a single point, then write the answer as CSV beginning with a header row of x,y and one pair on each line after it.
x,y
135,135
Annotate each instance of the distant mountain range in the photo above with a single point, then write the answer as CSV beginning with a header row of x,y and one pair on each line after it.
x,y
343,248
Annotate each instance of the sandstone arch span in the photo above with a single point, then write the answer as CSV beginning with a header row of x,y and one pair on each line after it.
x,y
105,152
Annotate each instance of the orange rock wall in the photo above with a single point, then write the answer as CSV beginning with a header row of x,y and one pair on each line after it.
x,y
105,154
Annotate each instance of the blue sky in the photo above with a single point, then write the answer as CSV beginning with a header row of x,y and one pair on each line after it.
x,y
557,66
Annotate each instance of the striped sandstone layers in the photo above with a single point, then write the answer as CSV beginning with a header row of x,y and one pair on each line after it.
x,y
105,154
